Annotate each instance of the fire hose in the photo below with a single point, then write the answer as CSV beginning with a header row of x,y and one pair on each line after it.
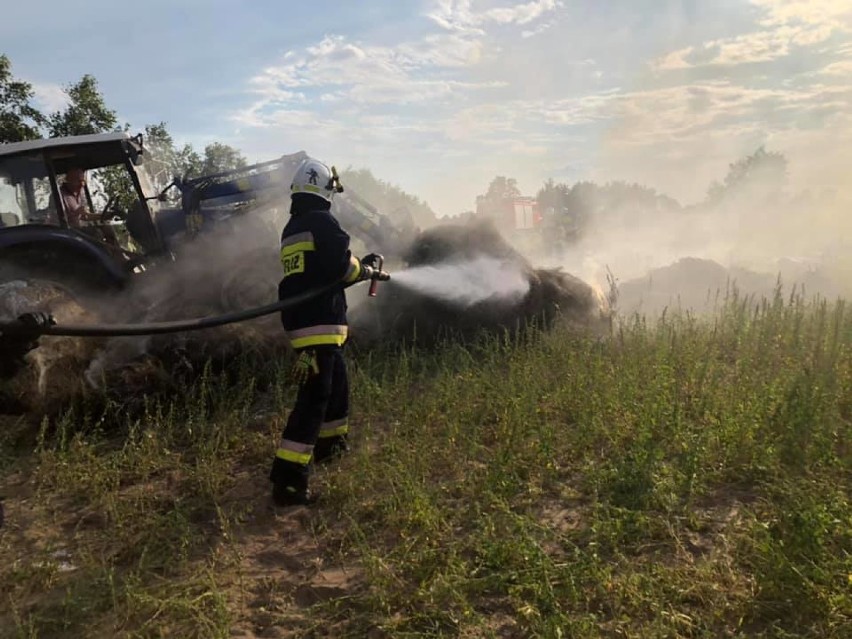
x,y
23,330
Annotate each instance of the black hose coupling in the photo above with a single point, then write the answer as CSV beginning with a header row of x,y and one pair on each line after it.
x,y
19,338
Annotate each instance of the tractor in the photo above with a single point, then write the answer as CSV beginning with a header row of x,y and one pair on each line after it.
x,y
39,241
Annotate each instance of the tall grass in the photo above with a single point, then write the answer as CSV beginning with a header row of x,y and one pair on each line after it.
x,y
682,477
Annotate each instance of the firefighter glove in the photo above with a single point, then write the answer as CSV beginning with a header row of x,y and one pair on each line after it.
x,y
303,368
372,260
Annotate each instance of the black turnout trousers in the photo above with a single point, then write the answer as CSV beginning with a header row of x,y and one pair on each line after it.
x,y
321,411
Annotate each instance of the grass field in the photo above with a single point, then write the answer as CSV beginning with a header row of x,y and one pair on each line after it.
x,y
678,478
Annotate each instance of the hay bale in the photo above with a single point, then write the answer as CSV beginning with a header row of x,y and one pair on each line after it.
x,y
402,313
53,371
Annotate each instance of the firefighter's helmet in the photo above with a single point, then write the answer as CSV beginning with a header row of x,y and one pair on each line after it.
x,y
316,178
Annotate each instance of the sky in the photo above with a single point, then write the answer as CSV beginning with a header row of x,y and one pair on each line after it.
x,y
440,96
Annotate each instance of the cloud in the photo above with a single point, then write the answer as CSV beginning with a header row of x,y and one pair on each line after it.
x,y
834,13
336,70
49,97
522,13
709,107
842,68
680,138
430,70
785,26
455,101
459,16
541,28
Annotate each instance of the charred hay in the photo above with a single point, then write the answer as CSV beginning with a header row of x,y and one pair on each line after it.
x,y
553,295
131,368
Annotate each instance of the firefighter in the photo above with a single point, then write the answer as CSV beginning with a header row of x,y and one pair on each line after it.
x,y
315,254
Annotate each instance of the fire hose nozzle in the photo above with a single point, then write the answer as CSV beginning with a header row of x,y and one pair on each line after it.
x,y
378,275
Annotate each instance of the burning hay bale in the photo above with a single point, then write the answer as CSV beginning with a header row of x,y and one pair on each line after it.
x,y
62,368
463,279
53,374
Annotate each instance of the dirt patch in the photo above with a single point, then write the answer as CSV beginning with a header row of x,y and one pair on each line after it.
x,y
282,569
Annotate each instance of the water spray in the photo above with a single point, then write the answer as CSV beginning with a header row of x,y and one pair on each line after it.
x,y
468,282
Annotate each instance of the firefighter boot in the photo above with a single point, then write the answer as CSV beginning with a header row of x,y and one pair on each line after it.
x,y
328,449
290,485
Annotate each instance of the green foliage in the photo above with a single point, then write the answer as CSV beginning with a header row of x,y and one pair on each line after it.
x,y
389,199
569,210
166,161
502,188
19,119
763,174
118,195
681,478
86,112
219,158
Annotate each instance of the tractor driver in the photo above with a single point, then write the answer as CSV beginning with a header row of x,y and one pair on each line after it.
x,y
73,194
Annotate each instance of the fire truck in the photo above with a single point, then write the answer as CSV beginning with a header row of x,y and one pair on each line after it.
x,y
510,214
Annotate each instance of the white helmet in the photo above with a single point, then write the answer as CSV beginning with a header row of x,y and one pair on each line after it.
x,y
316,178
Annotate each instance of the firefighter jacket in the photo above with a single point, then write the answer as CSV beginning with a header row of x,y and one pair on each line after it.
x,y
315,253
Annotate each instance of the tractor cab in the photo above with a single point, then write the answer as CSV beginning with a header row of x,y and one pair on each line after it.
x,y
118,232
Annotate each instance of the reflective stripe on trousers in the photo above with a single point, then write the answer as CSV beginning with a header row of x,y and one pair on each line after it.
x,y
295,452
334,428
323,335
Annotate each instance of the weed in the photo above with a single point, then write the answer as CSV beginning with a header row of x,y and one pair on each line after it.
x,y
686,477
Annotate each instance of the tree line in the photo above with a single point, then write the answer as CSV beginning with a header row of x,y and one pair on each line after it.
x,y
567,208
86,112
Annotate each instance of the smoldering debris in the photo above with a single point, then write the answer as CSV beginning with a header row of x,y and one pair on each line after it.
x,y
54,372
702,285
237,268
446,307
229,268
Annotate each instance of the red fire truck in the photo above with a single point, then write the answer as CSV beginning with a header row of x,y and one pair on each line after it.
x,y
512,213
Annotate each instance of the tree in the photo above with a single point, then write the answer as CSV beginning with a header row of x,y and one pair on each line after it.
x,y
502,188
582,203
402,208
763,174
499,191
19,119
165,161
221,157
188,162
551,198
86,112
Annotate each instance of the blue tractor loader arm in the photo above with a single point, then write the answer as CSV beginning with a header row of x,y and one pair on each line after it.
x,y
208,199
